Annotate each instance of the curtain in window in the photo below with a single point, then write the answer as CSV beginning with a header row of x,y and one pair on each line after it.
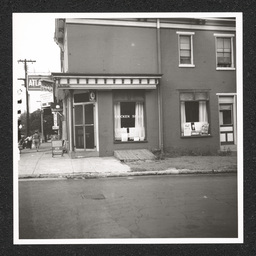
x,y
183,115
203,117
139,120
117,116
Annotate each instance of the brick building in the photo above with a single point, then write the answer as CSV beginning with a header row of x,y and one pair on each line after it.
x,y
167,84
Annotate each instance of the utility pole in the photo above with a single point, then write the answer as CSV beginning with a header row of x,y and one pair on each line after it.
x,y
26,86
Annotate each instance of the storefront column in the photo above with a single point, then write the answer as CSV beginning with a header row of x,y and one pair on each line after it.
x,y
64,121
70,116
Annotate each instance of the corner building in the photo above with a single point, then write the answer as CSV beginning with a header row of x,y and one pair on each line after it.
x,y
167,84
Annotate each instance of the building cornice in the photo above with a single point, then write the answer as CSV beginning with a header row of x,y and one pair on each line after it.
x,y
106,81
150,24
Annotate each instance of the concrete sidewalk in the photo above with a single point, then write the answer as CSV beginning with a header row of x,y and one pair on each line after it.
x,y
41,164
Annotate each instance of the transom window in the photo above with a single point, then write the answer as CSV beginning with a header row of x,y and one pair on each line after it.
x,y
186,49
194,109
224,51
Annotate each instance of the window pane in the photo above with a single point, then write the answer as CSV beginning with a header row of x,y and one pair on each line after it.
x,y
227,43
185,40
184,53
192,111
88,113
79,136
127,114
184,60
89,137
185,46
227,117
220,43
81,97
79,114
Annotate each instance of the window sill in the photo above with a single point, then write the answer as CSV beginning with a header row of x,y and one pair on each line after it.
x,y
225,68
130,142
186,65
196,136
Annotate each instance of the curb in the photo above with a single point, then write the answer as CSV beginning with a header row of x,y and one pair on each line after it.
x,y
126,174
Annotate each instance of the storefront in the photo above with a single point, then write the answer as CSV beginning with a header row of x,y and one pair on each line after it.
x,y
103,113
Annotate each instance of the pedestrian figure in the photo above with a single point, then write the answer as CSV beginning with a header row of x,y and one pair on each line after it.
x,y
29,141
36,140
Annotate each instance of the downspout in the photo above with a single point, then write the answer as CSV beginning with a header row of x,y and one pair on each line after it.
x,y
159,91
72,121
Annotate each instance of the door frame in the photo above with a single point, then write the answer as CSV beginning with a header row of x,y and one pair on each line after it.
x,y
228,98
95,118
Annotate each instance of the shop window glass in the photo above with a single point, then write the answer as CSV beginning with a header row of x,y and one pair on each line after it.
x,y
129,121
81,97
194,113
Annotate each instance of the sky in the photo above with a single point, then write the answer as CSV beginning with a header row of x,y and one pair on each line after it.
x,y
33,39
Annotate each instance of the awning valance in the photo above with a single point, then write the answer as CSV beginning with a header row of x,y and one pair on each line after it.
x,y
78,81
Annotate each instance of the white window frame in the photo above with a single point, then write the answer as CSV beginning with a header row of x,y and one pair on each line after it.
x,y
231,36
191,34
207,102
141,139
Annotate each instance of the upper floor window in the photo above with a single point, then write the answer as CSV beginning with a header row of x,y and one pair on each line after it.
x,y
224,51
186,49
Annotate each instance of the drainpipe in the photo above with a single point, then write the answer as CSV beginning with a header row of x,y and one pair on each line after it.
x,y
72,137
159,91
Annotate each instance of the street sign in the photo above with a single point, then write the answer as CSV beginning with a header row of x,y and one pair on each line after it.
x,y
57,148
57,109
55,127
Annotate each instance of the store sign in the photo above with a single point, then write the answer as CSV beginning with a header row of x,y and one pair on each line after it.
x,y
46,92
34,82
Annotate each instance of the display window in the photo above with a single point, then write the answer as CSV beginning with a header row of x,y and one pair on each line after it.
x,y
194,109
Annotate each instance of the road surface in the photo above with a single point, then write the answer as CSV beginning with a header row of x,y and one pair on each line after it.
x,y
189,206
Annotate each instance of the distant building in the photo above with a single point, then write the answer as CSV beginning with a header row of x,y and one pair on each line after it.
x,y
167,84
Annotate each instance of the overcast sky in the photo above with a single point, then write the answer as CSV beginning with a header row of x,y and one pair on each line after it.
x,y
33,39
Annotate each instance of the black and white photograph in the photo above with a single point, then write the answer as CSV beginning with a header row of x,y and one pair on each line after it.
x,y
128,128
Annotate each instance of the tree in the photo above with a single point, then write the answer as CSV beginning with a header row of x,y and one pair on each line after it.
x,y
48,123
23,123
35,122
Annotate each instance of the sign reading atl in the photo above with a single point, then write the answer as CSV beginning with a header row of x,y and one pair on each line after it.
x,y
34,82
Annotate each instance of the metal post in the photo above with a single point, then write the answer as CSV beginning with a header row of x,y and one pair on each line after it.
x,y
26,86
42,124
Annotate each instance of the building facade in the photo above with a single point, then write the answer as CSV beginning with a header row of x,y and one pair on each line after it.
x,y
156,84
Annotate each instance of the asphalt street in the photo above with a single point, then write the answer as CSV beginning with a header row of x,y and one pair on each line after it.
x,y
182,206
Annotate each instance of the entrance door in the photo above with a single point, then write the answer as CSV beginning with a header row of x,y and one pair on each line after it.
x,y
227,122
84,126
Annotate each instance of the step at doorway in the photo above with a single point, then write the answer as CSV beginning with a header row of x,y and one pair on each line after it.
x,y
134,155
